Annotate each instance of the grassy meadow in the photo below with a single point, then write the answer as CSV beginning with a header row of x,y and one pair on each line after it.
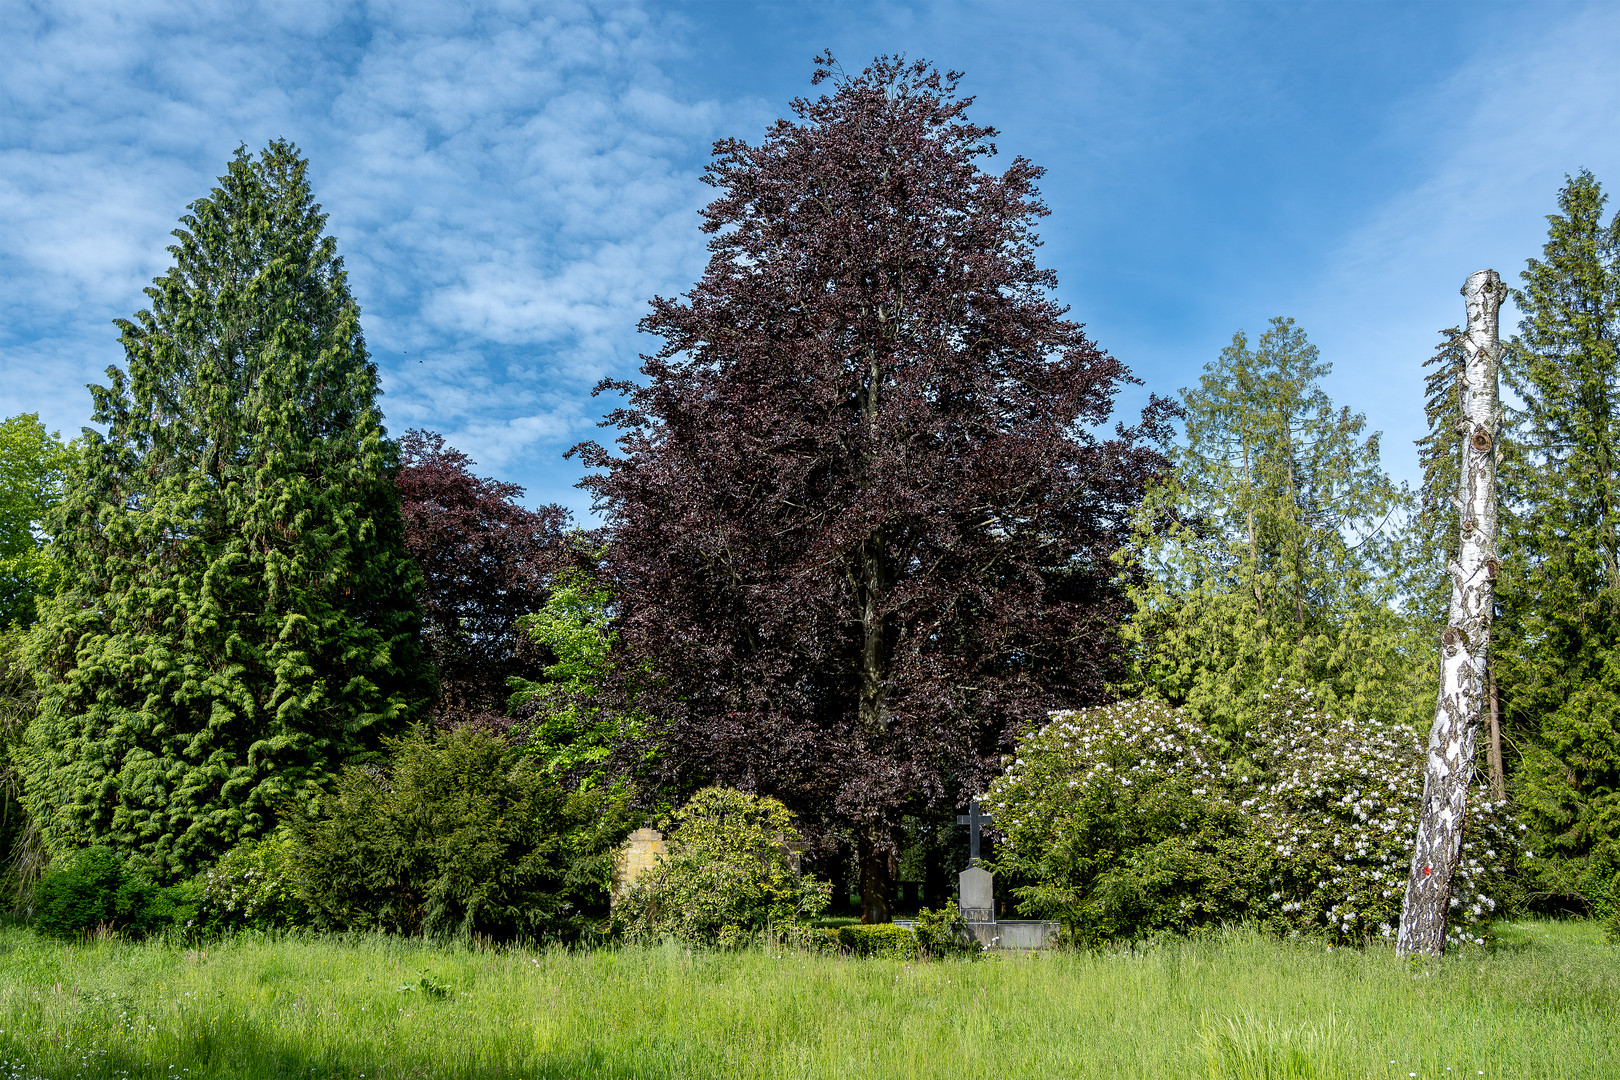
x,y
1544,1004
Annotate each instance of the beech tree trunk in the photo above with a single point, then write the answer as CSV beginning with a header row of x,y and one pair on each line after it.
x,y
878,867
1465,644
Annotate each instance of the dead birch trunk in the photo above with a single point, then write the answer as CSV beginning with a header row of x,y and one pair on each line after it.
x,y
1465,645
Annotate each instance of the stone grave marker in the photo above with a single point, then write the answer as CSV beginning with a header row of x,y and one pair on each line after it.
x,y
977,900
639,855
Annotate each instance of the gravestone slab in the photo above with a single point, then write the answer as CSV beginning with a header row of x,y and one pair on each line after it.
x,y
641,852
977,900
1026,934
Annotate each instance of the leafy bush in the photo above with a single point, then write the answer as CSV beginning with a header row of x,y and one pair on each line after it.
x,y
1118,815
878,939
1331,809
92,890
254,887
727,875
944,933
1128,823
457,837
22,852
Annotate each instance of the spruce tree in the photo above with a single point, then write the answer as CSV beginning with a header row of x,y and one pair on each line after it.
x,y
1559,644
237,617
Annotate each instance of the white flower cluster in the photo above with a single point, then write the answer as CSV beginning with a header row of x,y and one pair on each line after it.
x,y
1316,814
1332,809
1085,753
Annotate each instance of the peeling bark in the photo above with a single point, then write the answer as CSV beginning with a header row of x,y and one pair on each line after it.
x,y
1465,644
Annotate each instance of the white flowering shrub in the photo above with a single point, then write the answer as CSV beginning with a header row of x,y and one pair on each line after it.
x,y
1118,815
253,887
1130,819
1330,808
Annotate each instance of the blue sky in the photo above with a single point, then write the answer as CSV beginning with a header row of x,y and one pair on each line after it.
x,y
510,183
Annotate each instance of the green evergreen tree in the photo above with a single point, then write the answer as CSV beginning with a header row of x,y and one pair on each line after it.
x,y
1558,642
237,616
1434,529
1266,555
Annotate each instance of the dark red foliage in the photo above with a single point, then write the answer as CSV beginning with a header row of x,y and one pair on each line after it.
x,y
861,520
485,560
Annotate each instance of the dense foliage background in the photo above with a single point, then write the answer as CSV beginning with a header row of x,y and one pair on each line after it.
x,y
870,547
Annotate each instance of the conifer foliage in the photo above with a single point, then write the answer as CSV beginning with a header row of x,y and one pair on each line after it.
x,y
1266,554
861,521
1559,646
237,618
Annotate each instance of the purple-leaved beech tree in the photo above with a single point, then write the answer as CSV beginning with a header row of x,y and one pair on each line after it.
x,y
863,504
486,560
1465,644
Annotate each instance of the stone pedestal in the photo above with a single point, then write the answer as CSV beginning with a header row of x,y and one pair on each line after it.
x,y
978,907
639,855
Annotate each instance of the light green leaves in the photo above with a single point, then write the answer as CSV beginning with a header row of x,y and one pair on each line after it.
x,y
1267,553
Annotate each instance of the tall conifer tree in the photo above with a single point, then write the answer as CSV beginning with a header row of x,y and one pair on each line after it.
x,y
1264,555
1559,655
238,614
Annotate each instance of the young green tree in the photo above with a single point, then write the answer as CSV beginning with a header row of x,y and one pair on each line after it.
x,y
1263,555
31,465
236,618
1559,643
557,717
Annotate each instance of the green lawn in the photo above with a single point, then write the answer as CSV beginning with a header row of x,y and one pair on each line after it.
x,y
1546,1004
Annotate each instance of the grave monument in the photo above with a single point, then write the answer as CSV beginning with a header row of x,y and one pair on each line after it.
x,y
977,899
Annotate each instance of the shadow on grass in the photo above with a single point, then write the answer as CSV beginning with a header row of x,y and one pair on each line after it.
x,y
250,1053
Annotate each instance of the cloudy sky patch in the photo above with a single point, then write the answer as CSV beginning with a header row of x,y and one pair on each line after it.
x,y
511,183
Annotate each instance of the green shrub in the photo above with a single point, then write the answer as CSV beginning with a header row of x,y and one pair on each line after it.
x,y
1116,815
1330,808
92,890
944,933
727,875
1129,822
879,939
254,887
458,837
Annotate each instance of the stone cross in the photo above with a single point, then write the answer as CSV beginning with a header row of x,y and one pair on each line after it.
x,y
973,819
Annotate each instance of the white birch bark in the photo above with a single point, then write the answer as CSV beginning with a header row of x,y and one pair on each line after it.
x,y
1465,644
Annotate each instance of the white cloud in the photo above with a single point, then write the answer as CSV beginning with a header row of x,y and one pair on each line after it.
x,y
509,183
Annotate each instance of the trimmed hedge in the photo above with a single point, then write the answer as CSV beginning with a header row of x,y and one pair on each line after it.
x,y
878,939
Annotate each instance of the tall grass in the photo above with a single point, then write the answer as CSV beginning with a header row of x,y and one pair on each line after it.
x,y
1546,1004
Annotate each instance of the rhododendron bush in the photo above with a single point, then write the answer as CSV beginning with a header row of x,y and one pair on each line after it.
x,y
1133,818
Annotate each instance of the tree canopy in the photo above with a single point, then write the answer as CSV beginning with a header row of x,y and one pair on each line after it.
x,y
486,561
31,465
237,615
1266,554
863,506
1559,639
